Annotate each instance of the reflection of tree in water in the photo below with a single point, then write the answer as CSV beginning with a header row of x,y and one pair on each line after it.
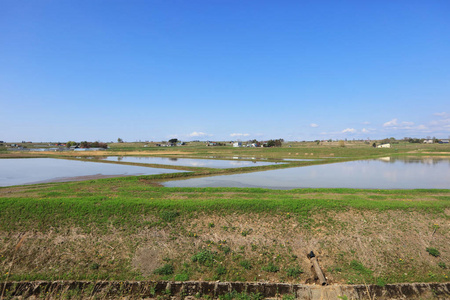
x,y
173,159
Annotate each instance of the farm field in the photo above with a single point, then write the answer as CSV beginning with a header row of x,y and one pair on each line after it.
x,y
131,228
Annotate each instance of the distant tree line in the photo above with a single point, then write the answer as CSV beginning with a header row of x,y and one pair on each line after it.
x,y
420,141
85,144
275,143
415,140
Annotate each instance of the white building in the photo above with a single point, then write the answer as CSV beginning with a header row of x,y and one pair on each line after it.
x,y
384,146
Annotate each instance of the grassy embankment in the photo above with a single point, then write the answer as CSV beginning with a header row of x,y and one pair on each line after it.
x,y
125,229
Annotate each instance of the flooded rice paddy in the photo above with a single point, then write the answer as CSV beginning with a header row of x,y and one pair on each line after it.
x,y
39,170
189,162
384,173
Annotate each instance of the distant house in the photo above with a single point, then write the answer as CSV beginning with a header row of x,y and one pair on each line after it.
x,y
444,141
384,146
428,141
237,144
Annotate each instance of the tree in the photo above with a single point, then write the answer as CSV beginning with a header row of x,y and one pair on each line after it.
x,y
173,141
119,140
275,143
70,144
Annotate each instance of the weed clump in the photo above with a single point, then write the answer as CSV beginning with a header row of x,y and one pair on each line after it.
x,y
221,270
241,296
271,268
246,264
167,269
168,215
205,257
433,251
359,268
181,277
381,282
294,272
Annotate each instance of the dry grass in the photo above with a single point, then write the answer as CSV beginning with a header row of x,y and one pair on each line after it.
x,y
16,249
391,244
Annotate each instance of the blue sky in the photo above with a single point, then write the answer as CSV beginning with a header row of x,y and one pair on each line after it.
x,y
223,69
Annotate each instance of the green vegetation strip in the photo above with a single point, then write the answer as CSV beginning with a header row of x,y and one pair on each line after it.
x,y
123,201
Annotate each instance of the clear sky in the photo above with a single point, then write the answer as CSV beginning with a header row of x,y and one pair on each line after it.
x,y
223,69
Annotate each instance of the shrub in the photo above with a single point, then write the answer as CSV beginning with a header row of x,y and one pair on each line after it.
x,y
433,251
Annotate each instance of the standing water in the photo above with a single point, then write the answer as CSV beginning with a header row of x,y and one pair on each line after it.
x,y
385,173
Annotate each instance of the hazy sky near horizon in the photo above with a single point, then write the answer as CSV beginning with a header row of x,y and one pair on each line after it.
x,y
223,69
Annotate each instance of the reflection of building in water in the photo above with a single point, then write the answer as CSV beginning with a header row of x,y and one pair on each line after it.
x,y
386,159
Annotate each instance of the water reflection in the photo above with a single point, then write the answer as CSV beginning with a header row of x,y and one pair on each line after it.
x,y
428,160
38,170
299,159
188,162
396,173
